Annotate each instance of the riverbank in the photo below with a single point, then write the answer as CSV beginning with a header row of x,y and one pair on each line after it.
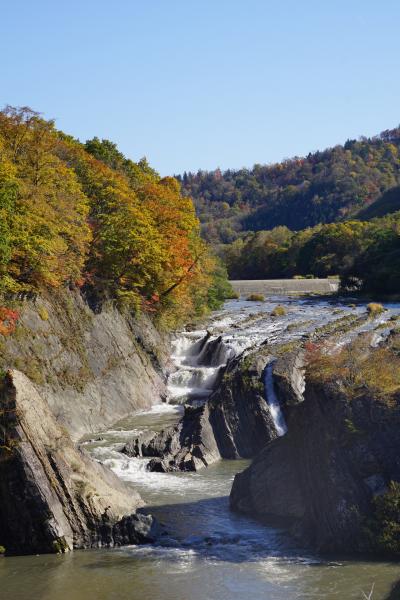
x,y
206,550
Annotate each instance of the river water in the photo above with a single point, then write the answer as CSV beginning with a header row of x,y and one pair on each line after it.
x,y
207,552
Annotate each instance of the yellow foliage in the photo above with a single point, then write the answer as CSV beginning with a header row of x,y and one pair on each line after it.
x,y
67,217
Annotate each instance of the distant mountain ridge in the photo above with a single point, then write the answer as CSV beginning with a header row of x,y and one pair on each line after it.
x,y
335,184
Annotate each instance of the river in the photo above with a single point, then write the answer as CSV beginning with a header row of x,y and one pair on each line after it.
x,y
206,552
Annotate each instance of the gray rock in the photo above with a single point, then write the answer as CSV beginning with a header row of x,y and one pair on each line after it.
x,y
53,496
239,413
93,367
136,529
320,478
187,446
140,447
234,422
288,373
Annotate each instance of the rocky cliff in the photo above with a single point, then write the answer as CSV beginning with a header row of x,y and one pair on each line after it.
x,y
321,479
53,497
73,368
93,365
235,422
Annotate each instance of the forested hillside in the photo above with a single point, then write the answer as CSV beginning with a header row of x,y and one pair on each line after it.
x,y
365,254
323,187
84,215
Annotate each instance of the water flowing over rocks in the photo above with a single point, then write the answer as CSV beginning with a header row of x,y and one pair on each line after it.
x,y
236,420
321,477
92,364
53,496
246,400
240,383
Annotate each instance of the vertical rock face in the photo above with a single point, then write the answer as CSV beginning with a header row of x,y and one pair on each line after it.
x,y
239,413
53,497
323,474
288,371
93,367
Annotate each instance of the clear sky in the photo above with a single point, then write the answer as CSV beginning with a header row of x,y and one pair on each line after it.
x,y
205,83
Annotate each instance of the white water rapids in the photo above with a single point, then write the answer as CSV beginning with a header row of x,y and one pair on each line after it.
x,y
208,552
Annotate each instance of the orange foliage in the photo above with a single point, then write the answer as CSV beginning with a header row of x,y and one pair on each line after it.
x,y
8,320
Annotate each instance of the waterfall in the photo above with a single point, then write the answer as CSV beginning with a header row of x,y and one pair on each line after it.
x,y
198,358
273,402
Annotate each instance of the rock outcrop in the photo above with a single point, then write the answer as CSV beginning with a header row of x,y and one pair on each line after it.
x,y
187,446
53,496
288,371
93,365
235,422
239,415
322,476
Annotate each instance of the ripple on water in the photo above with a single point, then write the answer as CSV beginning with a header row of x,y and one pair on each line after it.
x,y
209,553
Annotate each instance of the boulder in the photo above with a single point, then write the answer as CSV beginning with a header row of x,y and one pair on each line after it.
x,y
187,446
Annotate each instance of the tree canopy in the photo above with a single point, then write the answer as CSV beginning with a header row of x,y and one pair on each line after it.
x,y
84,215
322,187
365,254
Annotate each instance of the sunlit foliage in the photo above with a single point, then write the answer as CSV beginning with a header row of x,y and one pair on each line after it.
x,y
301,192
84,215
357,366
366,255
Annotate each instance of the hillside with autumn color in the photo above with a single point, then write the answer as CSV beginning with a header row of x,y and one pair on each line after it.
x,y
323,187
74,214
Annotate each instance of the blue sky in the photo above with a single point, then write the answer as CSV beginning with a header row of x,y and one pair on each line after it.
x,y
201,84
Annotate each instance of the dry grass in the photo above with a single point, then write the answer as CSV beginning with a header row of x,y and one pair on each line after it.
x,y
256,298
374,309
357,366
279,311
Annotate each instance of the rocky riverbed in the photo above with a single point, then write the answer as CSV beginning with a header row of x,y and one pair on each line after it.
x,y
234,388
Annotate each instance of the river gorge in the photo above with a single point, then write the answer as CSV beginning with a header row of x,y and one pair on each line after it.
x,y
207,551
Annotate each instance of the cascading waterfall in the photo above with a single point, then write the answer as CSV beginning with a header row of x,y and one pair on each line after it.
x,y
198,357
206,543
273,402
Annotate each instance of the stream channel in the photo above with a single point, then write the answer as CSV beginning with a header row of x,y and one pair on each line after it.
x,y
208,552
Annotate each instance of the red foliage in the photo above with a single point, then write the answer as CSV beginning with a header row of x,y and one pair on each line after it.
x,y
150,305
8,320
312,349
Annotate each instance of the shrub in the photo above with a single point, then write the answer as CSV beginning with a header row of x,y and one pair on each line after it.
x,y
357,366
8,320
298,277
383,529
279,311
2,550
233,296
43,314
309,276
374,309
256,298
